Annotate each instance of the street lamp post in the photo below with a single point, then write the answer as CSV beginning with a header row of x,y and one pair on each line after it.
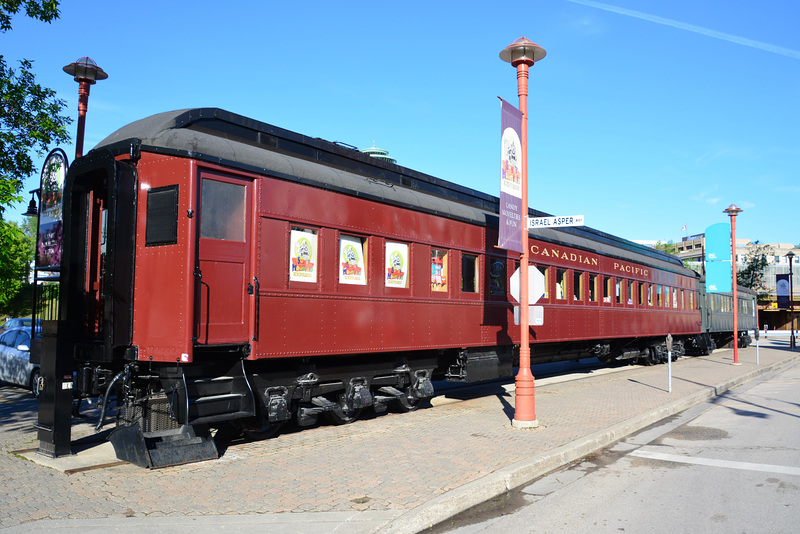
x,y
790,257
733,210
522,54
86,73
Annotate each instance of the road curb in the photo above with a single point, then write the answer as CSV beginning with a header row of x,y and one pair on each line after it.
x,y
525,471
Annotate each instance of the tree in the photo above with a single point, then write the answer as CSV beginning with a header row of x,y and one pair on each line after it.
x,y
752,275
669,247
30,115
17,255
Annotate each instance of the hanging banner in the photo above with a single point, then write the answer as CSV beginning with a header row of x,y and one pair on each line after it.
x,y
303,256
48,242
782,290
512,216
719,273
396,265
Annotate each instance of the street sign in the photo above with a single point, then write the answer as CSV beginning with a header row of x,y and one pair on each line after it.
x,y
535,285
552,222
535,315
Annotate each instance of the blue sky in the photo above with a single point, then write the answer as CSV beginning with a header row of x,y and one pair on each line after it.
x,y
645,116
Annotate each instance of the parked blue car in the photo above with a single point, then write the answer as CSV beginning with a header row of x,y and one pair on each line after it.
x,y
15,359
26,322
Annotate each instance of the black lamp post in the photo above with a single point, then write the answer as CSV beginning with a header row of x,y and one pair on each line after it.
x,y
33,210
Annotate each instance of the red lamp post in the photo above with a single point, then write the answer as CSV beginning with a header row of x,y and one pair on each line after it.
x,y
790,257
733,210
86,73
522,54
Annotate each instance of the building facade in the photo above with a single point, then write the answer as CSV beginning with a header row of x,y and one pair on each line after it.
x,y
691,250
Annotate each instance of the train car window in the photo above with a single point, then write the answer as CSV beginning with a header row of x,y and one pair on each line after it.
x,y
397,264
674,298
561,284
439,270
577,285
659,299
607,286
352,260
642,290
222,213
162,216
546,273
592,287
303,255
497,276
618,292
469,273
631,292
650,294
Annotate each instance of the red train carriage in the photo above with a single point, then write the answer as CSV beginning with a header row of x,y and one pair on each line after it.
x,y
219,269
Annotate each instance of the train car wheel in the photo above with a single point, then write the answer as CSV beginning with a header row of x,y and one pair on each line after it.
x,y
251,428
407,403
261,432
342,414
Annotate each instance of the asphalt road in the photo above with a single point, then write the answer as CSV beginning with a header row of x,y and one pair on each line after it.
x,y
730,465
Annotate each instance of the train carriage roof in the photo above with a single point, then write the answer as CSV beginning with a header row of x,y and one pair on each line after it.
x,y
221,137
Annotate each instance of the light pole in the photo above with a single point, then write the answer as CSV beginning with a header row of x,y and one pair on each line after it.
x,y
522,54
790,257
86,73
733,210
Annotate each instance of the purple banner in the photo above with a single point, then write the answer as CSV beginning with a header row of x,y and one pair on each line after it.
x,y
54,172
512,216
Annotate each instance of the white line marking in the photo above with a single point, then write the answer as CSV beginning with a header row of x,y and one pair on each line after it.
x,y
747,466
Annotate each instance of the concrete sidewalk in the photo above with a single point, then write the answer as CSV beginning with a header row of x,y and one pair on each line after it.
x,y
392,473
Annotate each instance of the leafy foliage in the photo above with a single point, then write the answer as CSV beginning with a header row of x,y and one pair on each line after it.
x,y
30,115
30,122
44,10
752,275
668,247
17,253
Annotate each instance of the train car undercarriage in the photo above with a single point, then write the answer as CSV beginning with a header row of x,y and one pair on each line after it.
x,y
165,413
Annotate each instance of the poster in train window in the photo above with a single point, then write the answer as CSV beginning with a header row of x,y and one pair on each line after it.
x,y
438,270
396,265
303,255
351,261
